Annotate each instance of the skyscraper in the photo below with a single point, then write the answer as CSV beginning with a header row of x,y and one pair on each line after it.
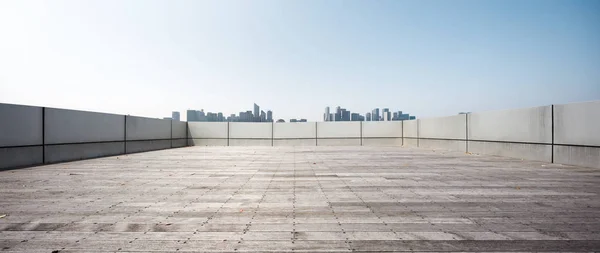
x,y
191,115
326,115
256,112
368,114
220,117
386,114
263,116
269,116
175,116
375,115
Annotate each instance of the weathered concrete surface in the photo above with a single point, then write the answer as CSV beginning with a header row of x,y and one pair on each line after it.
x,y
301,199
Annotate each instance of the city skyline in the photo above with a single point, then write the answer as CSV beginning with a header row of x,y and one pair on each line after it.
x,y
427,59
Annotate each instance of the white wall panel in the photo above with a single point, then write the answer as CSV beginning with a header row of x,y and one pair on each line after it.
x,y
345,129
533,125
577,124
179,129
139,128
20,125
410,128
382,129
214,130
306,130
250,130
69,126
452,127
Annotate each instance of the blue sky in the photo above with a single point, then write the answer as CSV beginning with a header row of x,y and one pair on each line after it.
x,y
428,58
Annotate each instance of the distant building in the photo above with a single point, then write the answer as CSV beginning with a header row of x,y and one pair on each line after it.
x,y
263,116
269,116
375,115
280,121
256,112
386,115
412,117
191,116
176,116
169,118
354,117
302,120
326,115
220,117
368,116
293,120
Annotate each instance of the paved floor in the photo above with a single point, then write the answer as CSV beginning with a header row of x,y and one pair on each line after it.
x,y
300,199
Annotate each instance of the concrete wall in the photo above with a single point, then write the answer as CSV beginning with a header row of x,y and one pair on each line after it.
x,y
443,133
37,135
410,133
21,135
178,134
338,133
146,134
381,133
75,135
577,134
295,134
520,133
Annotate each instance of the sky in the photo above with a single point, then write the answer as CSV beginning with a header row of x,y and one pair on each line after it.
x,y
428,58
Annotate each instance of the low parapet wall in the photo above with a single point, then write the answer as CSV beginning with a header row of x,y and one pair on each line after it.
x,y
567,134
32,135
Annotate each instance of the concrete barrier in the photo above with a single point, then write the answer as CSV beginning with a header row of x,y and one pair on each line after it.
x,y
178,134
444,133
338,133
146,134
519,133
577,134
381,133
21,135
295,134
75,135
410,133
250,134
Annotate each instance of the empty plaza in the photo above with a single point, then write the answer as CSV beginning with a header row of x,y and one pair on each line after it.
x,y
300,199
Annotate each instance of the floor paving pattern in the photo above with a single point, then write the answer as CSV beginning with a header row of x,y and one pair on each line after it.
x,y
300,199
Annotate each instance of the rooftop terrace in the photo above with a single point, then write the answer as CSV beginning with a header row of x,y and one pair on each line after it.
x,y
294,199
514,180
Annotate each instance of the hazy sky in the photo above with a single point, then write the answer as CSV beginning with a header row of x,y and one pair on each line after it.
x,y
428,58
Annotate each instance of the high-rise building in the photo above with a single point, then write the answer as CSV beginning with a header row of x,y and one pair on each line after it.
x,y
346,115
354,117
256,112
375,115
191,115
263,116
326,115
269,116
175,116
386,114
249,117
368,114
220,117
